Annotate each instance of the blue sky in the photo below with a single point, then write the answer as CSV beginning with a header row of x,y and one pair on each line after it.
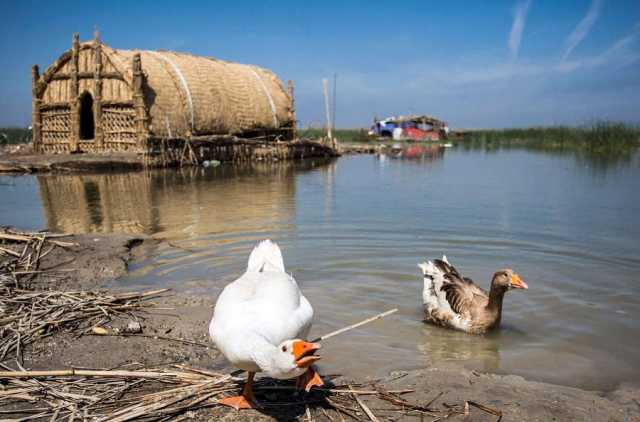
x,y
474,64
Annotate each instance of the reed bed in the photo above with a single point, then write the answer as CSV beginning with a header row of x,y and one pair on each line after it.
x,y
116,395
14,135
21,254
599,137
27,316
176,392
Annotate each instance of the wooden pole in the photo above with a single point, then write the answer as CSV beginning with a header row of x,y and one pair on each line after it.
x,y
325,89
91,373
333,111
75,95
97,98
294,128
36,118
138,103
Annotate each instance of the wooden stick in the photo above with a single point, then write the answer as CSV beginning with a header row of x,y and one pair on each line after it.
x,y
21,238
10,252
356,325
136,295
89,373
484,408
365,407
332,390
325,91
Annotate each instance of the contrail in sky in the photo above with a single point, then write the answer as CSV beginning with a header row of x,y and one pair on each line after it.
x,y
583,28
515,36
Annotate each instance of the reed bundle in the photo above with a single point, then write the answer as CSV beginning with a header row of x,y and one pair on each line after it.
x,y
116,395
155,394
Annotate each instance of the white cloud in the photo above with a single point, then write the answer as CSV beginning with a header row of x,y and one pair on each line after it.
x,y
519,19
583,28
483,88
619,54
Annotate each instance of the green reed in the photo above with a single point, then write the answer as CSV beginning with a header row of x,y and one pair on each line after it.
x,y
14,135
601,144
598,137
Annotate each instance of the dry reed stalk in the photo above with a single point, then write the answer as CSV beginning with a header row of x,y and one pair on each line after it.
x,y
356,325
156,394
29,238
364,407
485,408
21,253
37,314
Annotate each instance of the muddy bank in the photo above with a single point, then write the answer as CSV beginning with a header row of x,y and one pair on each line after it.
x,y
83,262
96,259
91,262
41,163
233,150
347,148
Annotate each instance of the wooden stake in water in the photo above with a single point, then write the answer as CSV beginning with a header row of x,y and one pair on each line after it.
x,y
325,89
356,325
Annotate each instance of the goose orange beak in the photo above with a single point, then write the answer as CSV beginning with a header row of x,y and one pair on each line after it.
x,y
303,352
518,283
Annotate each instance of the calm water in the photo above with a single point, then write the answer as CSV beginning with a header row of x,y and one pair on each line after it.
x,y
353,230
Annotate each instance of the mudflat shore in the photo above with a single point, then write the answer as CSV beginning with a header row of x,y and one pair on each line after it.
x,y
95,259
41,163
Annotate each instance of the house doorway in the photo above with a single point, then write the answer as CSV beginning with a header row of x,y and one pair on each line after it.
x,y
87,125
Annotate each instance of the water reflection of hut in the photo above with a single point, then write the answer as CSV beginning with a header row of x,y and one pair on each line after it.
x,y
95,98
97,203
192,202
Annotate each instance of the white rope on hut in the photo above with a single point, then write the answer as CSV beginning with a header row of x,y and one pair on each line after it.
x,y
268,94
185,86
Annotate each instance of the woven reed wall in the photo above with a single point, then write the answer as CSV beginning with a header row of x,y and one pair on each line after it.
x,y
56,129
59,91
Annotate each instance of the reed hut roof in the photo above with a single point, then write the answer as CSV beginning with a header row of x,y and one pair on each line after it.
x,y
201,95
194,95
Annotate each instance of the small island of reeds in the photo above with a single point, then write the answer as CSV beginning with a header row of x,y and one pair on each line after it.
x,y
600,137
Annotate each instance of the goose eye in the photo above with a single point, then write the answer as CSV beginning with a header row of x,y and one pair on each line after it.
x,y
284,348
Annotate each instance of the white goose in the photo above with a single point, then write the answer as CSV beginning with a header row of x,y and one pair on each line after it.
x,y
259,322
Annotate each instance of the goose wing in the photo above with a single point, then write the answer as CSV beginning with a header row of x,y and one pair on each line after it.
x,y
460,292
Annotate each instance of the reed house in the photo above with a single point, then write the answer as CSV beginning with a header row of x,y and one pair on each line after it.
x,y
94,98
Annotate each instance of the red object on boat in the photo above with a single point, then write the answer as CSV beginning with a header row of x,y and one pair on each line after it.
x,y
416,134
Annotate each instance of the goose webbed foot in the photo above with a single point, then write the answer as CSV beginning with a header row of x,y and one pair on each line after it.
x,y
309,380
240,402
247,400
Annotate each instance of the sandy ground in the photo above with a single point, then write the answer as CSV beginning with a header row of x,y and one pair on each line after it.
x,y
100,258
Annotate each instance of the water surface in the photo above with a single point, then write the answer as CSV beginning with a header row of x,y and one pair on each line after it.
x,y
353,230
